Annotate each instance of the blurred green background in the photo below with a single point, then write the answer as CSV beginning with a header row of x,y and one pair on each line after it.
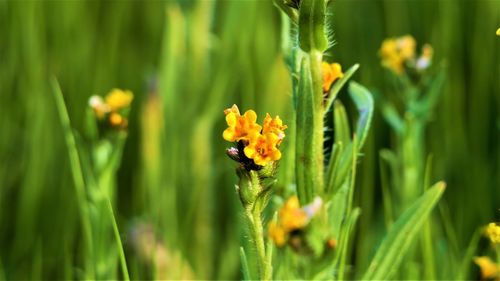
x,y
186,61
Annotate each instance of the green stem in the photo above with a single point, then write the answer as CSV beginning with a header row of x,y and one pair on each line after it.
x,y
254,216
257,232
315,59
123,262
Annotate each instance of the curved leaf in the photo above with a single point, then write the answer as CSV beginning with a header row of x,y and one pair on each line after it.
x,y
402,234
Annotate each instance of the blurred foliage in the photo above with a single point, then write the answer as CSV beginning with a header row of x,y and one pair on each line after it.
x,y
185,62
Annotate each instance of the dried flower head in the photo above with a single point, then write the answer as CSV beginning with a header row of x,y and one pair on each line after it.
x,y
331,72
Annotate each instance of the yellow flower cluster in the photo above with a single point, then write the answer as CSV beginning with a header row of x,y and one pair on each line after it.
x,y
261,143
489,270
291,217
398,52
493,232
114,102
331,72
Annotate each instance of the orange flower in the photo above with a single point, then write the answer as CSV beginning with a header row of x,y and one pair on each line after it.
x,y
240,127
331,72
274,126
263,149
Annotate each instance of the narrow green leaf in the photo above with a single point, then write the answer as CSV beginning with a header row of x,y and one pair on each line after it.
x,y
337,209
364,103
333,164
342,131
337,86
76,171
305,169
341,257
392,117
463,271
244,265
312,25
402,234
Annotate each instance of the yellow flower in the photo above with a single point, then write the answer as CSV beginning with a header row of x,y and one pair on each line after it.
x,y
331,72
240,127
118,99
291,216
277,234
489,270
274,126
406,47
390,55
263,149
498,32
396,51
493,232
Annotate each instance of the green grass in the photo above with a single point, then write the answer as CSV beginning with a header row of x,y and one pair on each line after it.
x,y
186,61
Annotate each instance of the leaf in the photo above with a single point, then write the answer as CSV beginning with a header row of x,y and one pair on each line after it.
x,y
337,86
312,25
402,234
305,169
364,103
244,265
392,117
341,124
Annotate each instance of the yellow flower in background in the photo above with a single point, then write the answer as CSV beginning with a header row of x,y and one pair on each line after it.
x,y
493,232
292,217
117,120
498,32
263,149
277,234
274,126
331,72
391,57
396,52
118,99
489,270
406,46
240,127
110,106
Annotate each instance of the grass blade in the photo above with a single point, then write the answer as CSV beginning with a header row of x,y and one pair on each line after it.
x,y
76,171
402,234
